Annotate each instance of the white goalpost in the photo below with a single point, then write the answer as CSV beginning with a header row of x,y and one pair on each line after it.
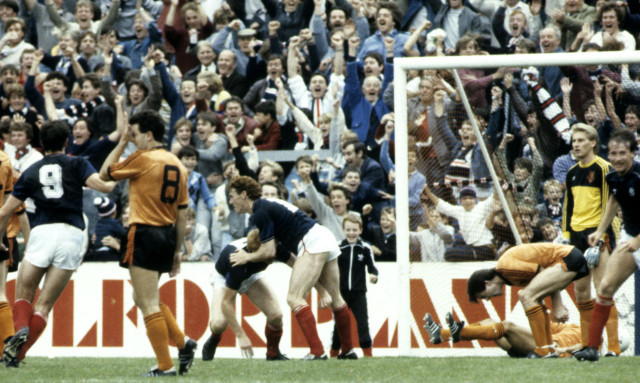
x,y
445,278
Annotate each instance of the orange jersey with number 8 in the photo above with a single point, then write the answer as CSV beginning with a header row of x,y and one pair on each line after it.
x,y
157,186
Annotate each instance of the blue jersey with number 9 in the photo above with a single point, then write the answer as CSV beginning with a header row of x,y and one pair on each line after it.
x,y
55,185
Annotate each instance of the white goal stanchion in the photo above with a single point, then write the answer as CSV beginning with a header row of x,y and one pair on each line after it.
x,y
408,321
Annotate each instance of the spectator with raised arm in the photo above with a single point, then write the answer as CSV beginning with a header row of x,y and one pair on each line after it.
x,y
434,238
243,49
234,115
265,89
457,19
476,243
45,27
12,43
316,96
59,88
467,164
139,97
183,103
611,17
328,214
293,15
129,10
210,91
83,17
388,22
571,19
146,33
196,27
515,29
363,104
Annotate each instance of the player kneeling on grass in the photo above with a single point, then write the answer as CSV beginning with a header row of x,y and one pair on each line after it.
x,y
55,184
516,340
544,269
247,279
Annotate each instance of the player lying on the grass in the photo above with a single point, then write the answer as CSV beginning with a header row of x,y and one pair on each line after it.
x,y
227,283
516,340
544,269
625,259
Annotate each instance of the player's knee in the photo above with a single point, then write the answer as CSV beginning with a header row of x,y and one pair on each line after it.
x,y
523,295
218,326
294,300
508,326
275,319
606,289
583,291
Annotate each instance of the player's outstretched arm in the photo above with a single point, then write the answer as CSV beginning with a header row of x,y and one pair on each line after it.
x,y
229,313
95,182
116,153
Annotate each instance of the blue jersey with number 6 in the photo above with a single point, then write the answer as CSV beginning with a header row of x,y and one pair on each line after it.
x,y
55,185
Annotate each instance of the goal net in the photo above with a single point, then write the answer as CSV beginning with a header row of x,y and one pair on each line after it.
x,y
490,138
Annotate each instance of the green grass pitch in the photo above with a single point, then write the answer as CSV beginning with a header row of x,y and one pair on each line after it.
x,y
402,369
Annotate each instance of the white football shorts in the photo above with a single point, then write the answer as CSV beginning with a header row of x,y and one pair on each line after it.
x,y
219,281
57,244
624,237
319,239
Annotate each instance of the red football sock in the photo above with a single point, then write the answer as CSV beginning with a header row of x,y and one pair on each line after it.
x,y
37,323
307,323
598,319
342,316
273,340
22,312
367,352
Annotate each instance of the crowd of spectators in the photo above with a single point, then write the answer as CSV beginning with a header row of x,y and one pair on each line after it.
x,y
235,79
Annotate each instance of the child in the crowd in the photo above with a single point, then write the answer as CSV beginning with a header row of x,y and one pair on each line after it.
x,y
527,173
355,255
435,238
107,226
196,245
183,137
197,184
303,166
381,236
552,205
549,230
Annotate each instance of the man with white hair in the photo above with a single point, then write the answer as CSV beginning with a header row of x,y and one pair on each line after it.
x,y
363,105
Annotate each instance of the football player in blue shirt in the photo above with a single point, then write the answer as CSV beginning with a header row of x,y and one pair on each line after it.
x,y
624,184
230,281
317,252
55,184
